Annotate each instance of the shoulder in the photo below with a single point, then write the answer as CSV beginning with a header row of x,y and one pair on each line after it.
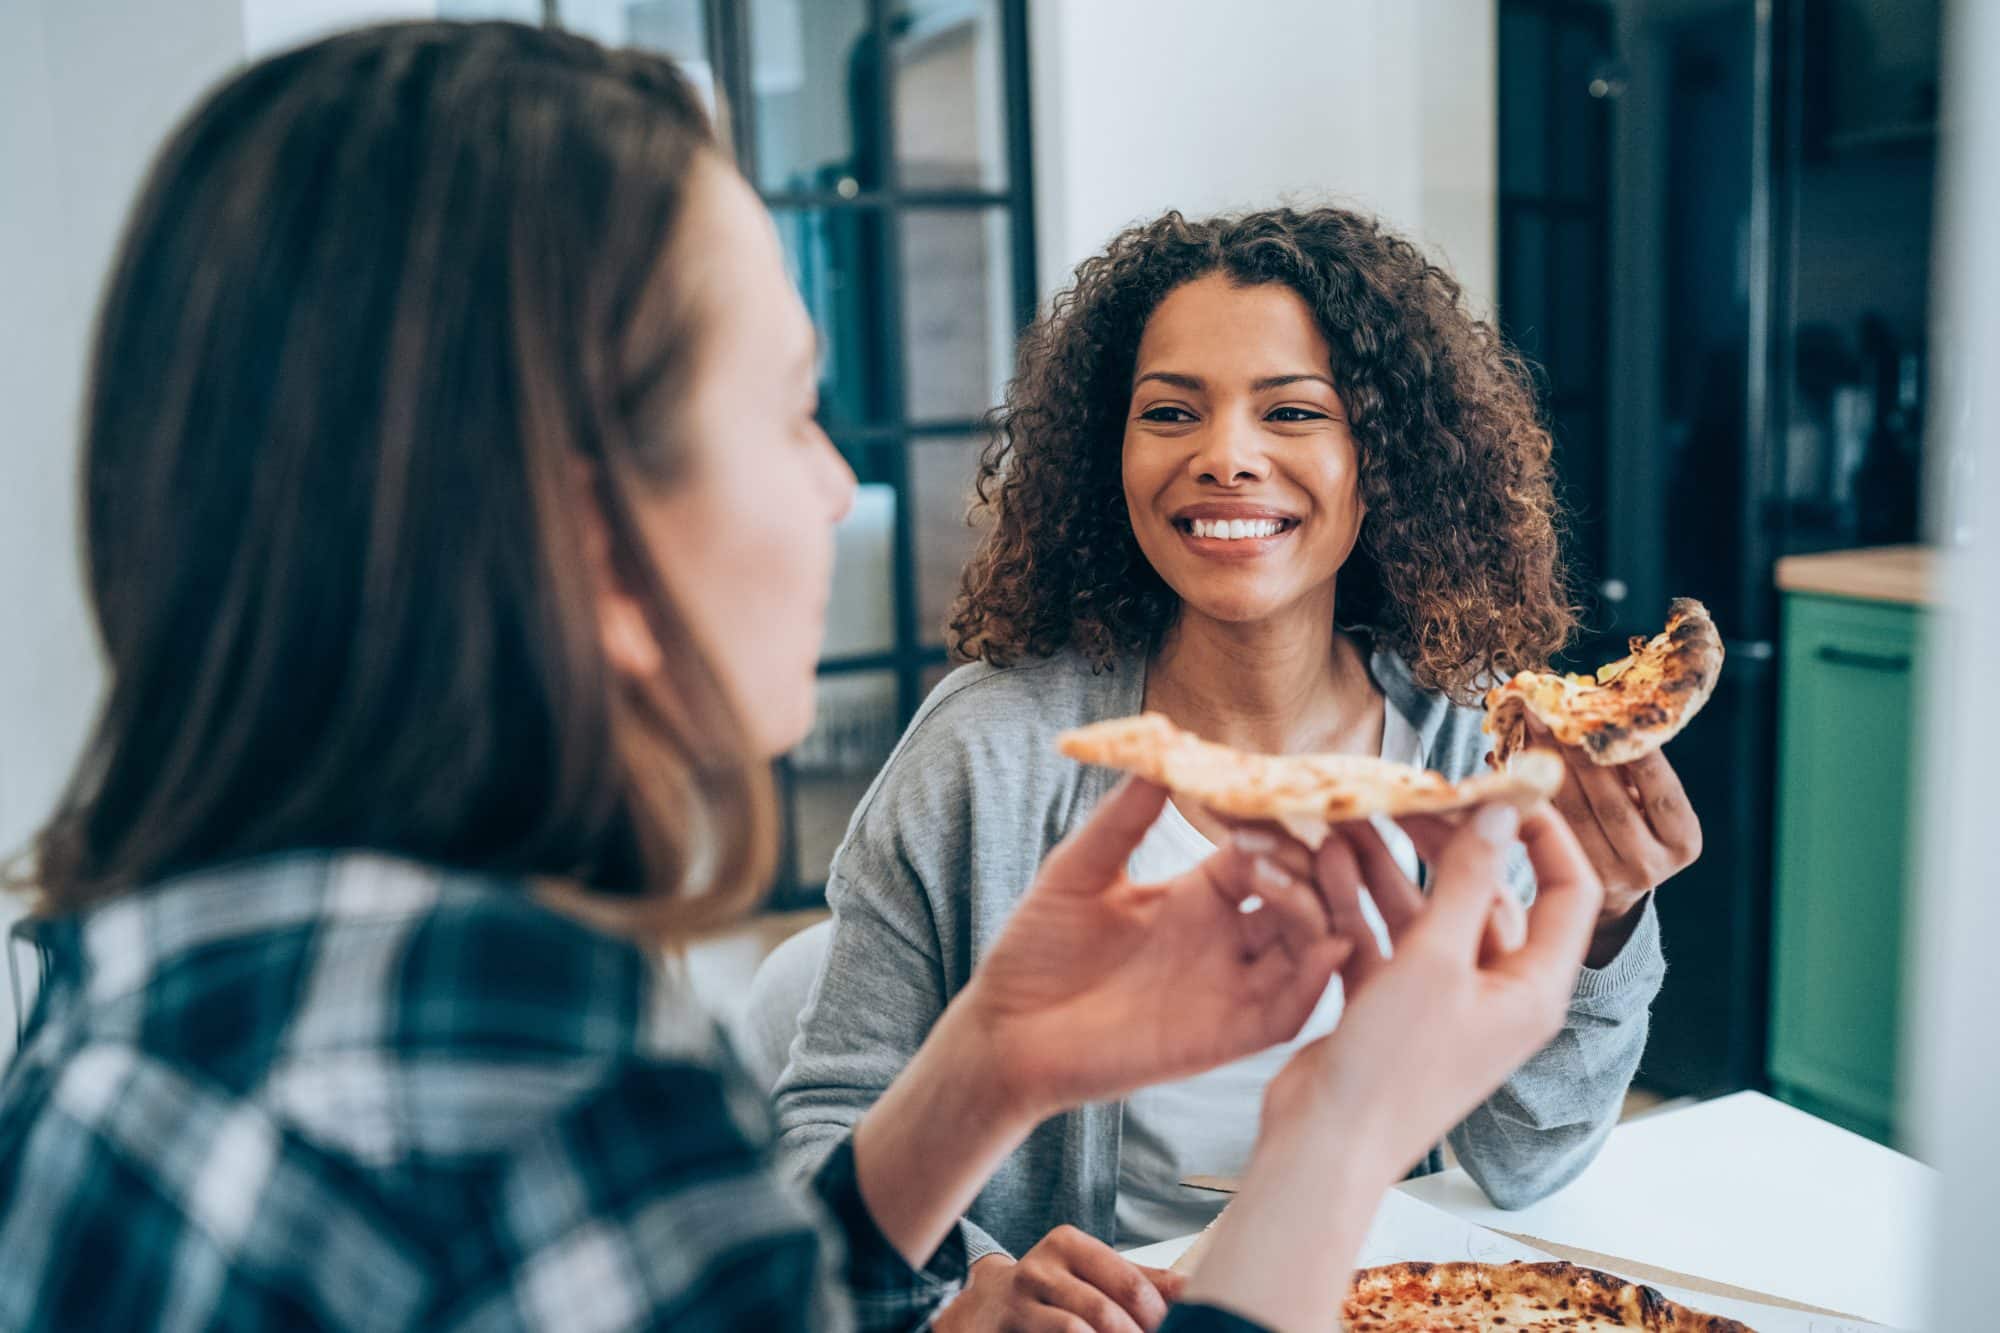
x,y
1453,735
987,733
1039,697
451,1021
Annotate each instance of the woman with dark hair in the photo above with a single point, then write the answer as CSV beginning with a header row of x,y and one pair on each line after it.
x,y
459,535
1266,475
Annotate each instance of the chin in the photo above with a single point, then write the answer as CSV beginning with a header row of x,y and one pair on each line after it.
x,y
774,737
778,723
1239,609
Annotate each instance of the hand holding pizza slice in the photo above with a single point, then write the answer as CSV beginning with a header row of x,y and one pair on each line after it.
x,y
1620,796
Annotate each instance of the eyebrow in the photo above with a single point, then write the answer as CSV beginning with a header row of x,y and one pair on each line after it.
x,y
1195,384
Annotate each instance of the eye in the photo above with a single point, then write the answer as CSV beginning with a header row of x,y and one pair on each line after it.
x,y
1167,413
1296,414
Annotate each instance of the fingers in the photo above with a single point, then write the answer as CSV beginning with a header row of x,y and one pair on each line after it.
x,y
1469,873
1166,1281
1078,1274
1066,1304
1665,805
1612,806
1574,806
1338,873
1507,928
1395,897
1281,994
1292,913
1273,841
1093,858
1431,832
1568,898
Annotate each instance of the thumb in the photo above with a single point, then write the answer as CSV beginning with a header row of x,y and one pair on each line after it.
x,y
1094,856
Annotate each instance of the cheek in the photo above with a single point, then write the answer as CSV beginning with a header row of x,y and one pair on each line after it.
x,y
1144,474
749,565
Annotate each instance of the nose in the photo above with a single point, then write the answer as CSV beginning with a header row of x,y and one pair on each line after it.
x,y
1230,453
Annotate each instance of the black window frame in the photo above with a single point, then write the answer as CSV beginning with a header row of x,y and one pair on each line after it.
x,y
915,649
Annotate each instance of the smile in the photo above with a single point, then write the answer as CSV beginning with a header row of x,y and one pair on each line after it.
x,y
1234,529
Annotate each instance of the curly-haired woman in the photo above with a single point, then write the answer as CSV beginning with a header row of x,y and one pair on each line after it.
x,y
1264,474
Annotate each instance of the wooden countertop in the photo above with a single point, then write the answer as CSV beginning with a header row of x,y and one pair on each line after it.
x,y
1905,574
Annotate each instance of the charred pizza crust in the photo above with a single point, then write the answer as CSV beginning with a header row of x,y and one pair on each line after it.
x,y
1518,1298
1303,792
1631,708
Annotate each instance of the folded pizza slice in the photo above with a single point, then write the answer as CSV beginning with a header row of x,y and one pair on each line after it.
x,y
1305,793
1630,708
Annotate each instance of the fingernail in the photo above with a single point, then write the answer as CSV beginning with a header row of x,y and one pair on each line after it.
x,y
1496,824
1271,875
1253,842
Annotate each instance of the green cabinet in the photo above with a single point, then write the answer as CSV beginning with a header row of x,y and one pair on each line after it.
x,y
1846,727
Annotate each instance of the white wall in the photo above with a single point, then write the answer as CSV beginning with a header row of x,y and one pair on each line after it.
x,y
88,89
1145,105
1954,1068
272,25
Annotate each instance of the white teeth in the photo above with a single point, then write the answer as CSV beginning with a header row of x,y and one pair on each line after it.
x,y
1235,529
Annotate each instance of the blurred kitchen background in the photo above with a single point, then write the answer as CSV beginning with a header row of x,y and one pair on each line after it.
x,y
1709,222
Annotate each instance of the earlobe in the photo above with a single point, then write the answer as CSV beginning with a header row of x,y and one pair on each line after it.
x,y
627,639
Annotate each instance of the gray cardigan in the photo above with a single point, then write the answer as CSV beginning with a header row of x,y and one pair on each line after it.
x,y
952,831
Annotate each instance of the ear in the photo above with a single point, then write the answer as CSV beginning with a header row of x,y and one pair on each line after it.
x,y
622,630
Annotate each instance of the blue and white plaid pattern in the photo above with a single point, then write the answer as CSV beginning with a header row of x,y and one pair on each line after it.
x,y
352,1092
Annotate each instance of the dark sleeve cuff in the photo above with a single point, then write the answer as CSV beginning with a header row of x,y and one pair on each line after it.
x,y
887,1292
1207,1319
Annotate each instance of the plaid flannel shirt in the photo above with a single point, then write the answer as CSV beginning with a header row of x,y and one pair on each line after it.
x,y
351,1092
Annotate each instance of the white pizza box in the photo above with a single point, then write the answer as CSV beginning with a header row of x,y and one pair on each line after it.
x,y
1741,1192
1407,1229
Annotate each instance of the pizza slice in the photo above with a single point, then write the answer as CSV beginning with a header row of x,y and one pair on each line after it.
x,y
1630,708
1305,793
1549,1297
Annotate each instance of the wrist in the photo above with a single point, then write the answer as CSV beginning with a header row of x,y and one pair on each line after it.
x,y
1304,1208
1614,928
928,1146
970,1046
1349,1155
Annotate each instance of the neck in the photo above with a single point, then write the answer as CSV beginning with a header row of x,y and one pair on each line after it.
x,y
1284,685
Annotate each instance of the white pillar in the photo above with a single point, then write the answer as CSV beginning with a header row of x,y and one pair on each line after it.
x,y
1954,1060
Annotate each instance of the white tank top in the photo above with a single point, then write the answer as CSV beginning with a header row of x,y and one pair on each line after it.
x,y
1206,1125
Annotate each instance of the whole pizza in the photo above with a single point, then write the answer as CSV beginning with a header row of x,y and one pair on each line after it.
x,y
1630,708
1515,1298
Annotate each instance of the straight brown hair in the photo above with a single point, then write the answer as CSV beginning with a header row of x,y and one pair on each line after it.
x,y
390,310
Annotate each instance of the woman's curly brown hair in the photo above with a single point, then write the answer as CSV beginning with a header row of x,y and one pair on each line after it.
x,y
1457,567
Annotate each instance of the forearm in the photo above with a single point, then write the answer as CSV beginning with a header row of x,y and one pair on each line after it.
x,y
1283,1252
924,1151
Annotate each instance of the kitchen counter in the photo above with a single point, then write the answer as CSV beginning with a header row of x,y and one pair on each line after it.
x,y
1902,574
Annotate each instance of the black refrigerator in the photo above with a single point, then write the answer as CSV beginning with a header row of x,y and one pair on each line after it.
x,y
1714,241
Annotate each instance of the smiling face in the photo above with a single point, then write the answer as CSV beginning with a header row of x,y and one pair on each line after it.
x,y
1240,471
